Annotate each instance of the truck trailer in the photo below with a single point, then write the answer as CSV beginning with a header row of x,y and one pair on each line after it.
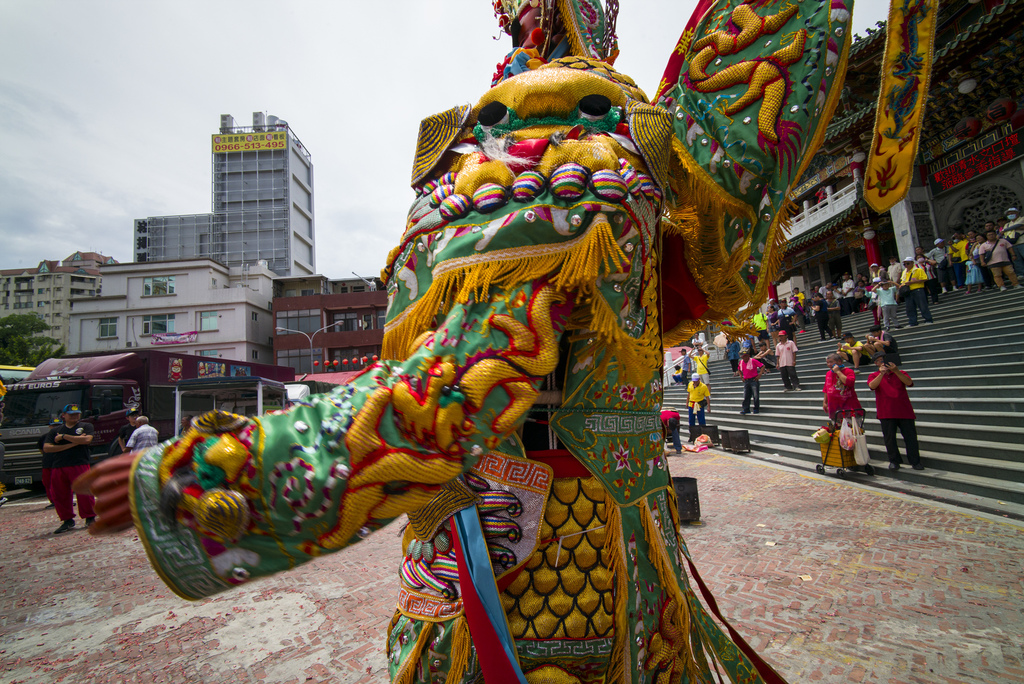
x,y
106,387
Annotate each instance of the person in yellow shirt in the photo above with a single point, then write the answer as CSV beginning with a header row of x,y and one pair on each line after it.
x,y
761,325
698,400
850,349
915,277
700,359
958,258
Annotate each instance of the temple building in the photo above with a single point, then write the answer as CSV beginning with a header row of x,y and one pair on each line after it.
x,y
969,167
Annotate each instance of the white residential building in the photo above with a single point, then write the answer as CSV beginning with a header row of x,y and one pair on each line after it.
x,y
197,307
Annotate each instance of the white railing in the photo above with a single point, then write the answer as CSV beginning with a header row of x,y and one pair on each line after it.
x,y
819,213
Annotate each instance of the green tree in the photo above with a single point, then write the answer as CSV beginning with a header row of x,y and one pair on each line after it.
x,y
22,345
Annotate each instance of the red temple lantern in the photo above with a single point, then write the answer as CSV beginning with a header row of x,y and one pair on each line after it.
x,y
967,127
1001,109
316,363
1017,119
344,362
335,363
376,358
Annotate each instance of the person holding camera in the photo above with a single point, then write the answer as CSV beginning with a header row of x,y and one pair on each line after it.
x,y
839,389
699,399
893,409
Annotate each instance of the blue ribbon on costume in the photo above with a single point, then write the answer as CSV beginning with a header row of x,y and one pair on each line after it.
x,y
478,562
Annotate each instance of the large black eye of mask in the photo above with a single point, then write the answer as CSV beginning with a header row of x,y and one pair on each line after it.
x,y
492,114
595,106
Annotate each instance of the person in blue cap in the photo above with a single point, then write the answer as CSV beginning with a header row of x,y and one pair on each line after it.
x,y
69,443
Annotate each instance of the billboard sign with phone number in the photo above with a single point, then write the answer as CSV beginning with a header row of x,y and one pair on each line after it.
x,y
247,142
980,162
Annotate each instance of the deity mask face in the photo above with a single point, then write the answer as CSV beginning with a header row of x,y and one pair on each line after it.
x,y
557,173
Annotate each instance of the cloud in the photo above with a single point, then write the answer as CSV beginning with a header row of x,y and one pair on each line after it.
x,y
109,114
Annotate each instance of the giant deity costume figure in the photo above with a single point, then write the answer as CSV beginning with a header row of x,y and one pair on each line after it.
x,y
564,229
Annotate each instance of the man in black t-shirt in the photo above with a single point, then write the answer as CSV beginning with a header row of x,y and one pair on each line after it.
x,y
125,433
47,461
69,444
820,309
879,340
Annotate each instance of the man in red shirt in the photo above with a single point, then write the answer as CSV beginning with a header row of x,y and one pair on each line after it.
x,y
840,393
670,428
785,357
892,406
751,370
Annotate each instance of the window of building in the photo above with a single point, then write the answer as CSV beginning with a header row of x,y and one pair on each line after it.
x,y
209,352
255,316
347,321
208,320
41,290
108,327
162,323
382,316
299,359
302,320
289,293
367,321
157,285
305,293
40,305
255,355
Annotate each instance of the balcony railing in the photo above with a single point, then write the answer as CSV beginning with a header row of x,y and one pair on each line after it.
x,y
814,216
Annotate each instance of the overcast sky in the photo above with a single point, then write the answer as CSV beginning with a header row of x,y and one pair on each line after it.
x,y
107,107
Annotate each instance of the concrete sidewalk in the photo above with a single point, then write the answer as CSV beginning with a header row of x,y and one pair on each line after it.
x,y
899,590
837,582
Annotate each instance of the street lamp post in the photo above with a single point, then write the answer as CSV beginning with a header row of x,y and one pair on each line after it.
x,y
309,336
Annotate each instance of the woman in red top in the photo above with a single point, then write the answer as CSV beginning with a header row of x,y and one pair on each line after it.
x,y
840,393
892,406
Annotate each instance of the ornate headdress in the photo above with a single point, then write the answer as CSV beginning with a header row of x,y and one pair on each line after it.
x,y
556,28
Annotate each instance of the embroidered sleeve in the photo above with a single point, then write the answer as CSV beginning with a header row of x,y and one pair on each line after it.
x,y
238,498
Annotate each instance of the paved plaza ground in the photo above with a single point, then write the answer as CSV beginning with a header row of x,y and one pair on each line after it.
x,y
832,582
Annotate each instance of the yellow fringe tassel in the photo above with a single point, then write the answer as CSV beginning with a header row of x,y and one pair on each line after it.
x,y
594,255
462,647
408,670
614,550
598,254
634,357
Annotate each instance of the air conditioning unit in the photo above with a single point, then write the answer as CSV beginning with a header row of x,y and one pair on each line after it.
x,y
227,123
259,121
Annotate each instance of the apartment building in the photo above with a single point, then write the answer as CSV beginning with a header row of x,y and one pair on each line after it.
x,y
198,306
47,289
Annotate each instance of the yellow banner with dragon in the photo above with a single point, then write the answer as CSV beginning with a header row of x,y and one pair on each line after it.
x,y
906,67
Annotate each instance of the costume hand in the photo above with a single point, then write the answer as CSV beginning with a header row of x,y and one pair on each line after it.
x,y
108,482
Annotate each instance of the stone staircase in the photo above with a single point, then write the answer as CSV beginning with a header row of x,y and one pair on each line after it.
x,y
968,394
